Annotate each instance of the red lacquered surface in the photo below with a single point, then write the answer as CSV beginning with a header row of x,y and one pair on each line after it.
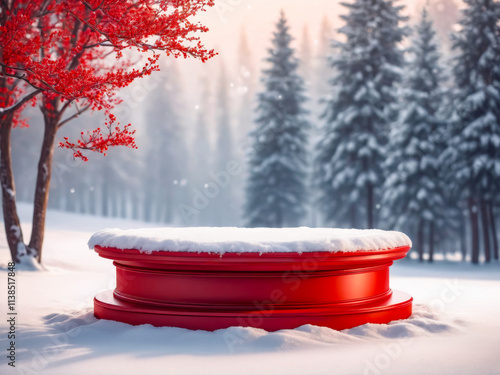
x,y
270,291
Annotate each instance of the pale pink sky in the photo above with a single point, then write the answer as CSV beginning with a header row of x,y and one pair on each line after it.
x,y
258,19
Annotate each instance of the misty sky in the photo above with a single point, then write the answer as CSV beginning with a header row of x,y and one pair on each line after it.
x,y
258,18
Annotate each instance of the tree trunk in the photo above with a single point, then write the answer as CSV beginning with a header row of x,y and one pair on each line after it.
x,y
463,237
353,216
431,241
162,203
70,198
168,212
369,205
474,226
92,201
43,184
420,239
104,196
486,230
123,204
11,219
114,203
148,207
83,200
493,231
136,203
279,218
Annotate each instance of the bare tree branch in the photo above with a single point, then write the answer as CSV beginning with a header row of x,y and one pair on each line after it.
x,y
20,103
89,7
23,78
73,116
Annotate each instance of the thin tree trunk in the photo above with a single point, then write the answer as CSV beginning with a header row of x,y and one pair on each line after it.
x,y
135,206
369,205
85,207
123,204
82,200
493,231
57,193
162,204
11,219
279,218
148,201
463,237
43,183
104,197
114,203
431,241
168,212
71,198
92,201
353,216
420,237
474,225
486,230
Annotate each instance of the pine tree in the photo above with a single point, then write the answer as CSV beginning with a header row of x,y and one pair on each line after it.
x,y
413,191
473,155
276,188
349,169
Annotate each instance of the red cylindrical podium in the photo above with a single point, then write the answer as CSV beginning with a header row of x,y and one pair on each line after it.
x,y
270,290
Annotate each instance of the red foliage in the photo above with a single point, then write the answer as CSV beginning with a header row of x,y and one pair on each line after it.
x,y
97,141
80,52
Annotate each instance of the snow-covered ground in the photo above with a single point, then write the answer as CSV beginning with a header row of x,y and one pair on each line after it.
x,y
455,328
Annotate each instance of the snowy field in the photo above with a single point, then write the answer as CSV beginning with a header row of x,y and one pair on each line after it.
x,y
455,327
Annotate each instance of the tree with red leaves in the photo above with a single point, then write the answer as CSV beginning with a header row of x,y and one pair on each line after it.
x,y
68,57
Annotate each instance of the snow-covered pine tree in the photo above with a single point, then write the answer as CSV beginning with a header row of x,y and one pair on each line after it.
x,y
412,198
473,155
276,186
367,66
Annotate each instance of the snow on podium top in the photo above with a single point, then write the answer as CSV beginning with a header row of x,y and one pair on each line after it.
x,y
241,240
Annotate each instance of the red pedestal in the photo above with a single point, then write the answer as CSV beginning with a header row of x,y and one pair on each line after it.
x,y
270,291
